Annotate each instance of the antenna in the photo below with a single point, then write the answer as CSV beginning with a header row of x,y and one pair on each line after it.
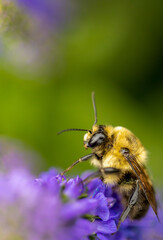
x,y
94,107
74,129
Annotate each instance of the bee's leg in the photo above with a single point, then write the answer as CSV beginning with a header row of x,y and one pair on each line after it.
x,y
82,159
92,176
99,174
110,170
132,202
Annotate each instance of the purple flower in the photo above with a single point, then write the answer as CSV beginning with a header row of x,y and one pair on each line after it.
x,y
52,207
33,209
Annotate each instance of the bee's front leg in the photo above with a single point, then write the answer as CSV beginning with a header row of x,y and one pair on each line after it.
x,y
131,203
82,159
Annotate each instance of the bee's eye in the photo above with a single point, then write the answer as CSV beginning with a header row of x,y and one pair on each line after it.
x,y
96,140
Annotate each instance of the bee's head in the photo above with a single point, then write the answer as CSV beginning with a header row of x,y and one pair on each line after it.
x,y
94,137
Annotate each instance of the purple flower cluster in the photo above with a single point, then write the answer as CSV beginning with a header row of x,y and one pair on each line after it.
x,y
52,207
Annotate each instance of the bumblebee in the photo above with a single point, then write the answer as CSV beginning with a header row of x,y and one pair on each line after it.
x,y
121,161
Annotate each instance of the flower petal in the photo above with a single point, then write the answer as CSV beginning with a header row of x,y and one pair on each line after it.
x,y
102,210
107,227
74,187
78,208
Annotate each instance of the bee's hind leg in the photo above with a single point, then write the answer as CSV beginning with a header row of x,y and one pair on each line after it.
x,y
132,202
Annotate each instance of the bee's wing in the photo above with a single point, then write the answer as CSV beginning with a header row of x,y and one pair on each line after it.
x,y
143,178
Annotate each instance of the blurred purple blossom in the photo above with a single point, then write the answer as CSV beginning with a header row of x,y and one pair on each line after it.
x,y
52,207
34,28
13,155
29,209
50,12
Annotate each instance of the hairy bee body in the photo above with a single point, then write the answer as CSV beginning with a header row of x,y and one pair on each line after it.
x,y
109,155
121,161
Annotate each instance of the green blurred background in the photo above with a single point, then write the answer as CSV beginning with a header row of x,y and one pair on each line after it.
x,y
111,47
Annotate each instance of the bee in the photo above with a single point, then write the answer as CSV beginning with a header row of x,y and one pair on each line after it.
x,y
120,159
